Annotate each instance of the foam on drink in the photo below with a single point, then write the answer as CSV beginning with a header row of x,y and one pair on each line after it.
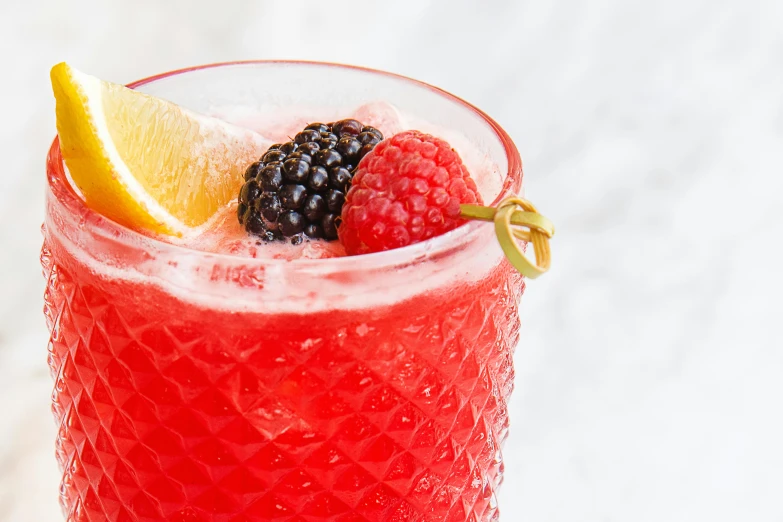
x,y
221,266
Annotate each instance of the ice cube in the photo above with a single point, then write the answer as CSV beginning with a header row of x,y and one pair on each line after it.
x,y
382,115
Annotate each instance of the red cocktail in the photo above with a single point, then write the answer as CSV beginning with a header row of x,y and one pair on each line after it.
x,y
195,386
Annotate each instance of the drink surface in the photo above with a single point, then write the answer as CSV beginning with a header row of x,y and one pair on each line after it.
x,y
223,234
170,408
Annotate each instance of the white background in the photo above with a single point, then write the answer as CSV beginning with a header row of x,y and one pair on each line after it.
x,y
650,376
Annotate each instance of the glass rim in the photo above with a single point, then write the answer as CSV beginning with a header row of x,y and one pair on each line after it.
x,y
104,227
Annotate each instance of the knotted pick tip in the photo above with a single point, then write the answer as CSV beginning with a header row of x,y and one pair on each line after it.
x,y
515,219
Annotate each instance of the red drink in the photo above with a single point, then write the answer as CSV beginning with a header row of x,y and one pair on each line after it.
x,y
204,387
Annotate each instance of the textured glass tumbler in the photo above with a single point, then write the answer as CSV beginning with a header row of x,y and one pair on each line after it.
x,y
192,386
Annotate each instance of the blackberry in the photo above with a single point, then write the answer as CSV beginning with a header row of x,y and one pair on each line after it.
x,y
293,196
349,147
327,141
315,208
299,187
309,148
328,158
334,201
290,223
347,128
329,225
314,231
318,179
340,178
270,177
320,127
296,170
269,206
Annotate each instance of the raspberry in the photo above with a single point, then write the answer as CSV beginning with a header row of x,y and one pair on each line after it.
x,y
408,189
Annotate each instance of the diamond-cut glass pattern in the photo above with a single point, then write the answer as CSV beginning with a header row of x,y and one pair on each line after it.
x,y
167,411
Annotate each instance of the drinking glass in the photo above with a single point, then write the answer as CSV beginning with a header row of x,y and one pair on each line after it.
x,y
194,386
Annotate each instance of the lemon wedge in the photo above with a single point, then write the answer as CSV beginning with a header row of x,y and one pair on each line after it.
x,y
145,162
